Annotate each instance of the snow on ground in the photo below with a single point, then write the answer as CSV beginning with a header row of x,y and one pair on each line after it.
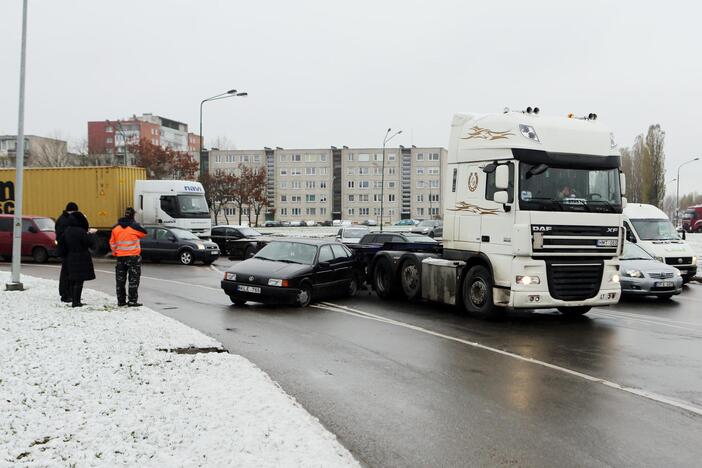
x,y
89,387
695,240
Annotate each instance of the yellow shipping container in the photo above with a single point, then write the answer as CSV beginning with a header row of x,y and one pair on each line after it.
x,y
102,193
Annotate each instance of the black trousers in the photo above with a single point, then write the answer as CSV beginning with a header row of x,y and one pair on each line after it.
x,y
76,291
64,283
128,267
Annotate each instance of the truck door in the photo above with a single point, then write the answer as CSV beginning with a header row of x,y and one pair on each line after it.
x,y
496,228
469,206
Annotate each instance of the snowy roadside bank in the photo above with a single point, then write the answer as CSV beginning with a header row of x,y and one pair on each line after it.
x,y
89,386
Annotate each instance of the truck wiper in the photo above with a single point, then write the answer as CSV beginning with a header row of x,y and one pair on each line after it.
x,y
551,200
606,204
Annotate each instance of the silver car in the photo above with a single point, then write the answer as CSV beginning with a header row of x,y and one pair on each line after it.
x,y
643,275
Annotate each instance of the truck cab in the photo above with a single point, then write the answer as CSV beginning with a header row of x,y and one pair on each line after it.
x,y
533,215
651,229
173,203
692,219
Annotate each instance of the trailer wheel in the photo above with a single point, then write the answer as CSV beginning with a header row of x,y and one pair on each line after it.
x,y
411,278
476,293
383,280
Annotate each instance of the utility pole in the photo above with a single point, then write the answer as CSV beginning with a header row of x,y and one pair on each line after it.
x,y
15,284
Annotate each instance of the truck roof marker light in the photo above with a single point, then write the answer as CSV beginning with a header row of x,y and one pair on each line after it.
x,y
570,115
591,116
529,132
612,141
505,110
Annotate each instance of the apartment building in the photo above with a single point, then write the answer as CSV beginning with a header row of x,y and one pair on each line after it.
x,y
38,150
324,184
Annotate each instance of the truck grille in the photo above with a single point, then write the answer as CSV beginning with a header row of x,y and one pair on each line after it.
x,y
574,280
678,260
569,240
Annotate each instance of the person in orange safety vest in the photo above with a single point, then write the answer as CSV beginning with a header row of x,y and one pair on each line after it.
x,y
126,247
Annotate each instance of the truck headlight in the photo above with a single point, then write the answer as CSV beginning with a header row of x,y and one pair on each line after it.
x,y
230,276
280,283
527,280
614,278
694,260
632,274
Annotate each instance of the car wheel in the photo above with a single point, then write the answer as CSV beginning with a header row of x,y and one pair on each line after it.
x,y
353,285
574,311
476,293
699,230
431,234
304,296
185,257
664,297
249,252
40,255
237,301
383,281
410,278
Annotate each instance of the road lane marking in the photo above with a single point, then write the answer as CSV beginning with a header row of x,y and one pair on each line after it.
x,y
607,383
645,319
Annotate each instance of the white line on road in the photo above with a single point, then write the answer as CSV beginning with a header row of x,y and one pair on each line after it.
x,y
634,391
695,328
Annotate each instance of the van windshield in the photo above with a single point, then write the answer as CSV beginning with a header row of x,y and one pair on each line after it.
x,y
45,224
655,229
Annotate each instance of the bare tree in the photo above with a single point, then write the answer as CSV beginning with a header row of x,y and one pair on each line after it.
x,y
222,143
259,198
50,152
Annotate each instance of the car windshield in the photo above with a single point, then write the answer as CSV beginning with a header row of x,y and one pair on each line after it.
x,y
634,252
546,188
193,204
45,224
248,232
288,252
355,233
655,229
184,235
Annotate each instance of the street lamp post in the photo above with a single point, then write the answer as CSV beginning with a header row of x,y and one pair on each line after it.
x,y
228,94
15,284
386,140
677,191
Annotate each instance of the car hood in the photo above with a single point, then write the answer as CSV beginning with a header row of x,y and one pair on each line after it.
x,y
645,266
269,269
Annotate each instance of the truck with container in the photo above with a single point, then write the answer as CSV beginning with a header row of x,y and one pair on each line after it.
x,y
651,229
103,193
532,219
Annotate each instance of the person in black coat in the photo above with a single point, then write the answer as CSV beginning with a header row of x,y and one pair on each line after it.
x,y
77,243
61,226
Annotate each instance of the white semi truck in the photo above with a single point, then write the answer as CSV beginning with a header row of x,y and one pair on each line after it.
x,y
174,203
532,219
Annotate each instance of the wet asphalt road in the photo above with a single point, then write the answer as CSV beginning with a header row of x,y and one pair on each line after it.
x,y
422,385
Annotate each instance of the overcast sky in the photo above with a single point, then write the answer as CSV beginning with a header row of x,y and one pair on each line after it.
x,y
323,73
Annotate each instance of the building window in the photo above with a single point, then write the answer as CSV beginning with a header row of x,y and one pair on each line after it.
x,y
283,172
378,157
311,211
296,185
284,184
420,198
349,157
108,129
377,170
296,157
108,140
352,211
434,211
311,157
391,157
363,197
310,184
257,158
420,211
434,197
376,211
391,197
295,171
420,156
363,211
311,171
245,158
392,171
296,211
364,184
322,199
364,157
351,197
434,183
283,158
433,170
322,171
322,211
296,199
350,171
391,212
377,184
284,211
420,171
391,184
420,184
323,158
377,197
363,170
322,184
283,199
351,184
310,197
433,156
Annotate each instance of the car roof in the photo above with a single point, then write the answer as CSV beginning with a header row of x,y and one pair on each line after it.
x,y
306,240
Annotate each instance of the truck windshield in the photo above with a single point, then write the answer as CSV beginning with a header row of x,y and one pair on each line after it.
x,y
547,188
655,229
192,204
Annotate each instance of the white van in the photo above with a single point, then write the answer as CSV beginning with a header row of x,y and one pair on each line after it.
x,y
651,229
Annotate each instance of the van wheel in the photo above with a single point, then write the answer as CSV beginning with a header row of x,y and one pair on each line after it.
x,y
185,257
476,293
574,311
411,278
40,255
383,281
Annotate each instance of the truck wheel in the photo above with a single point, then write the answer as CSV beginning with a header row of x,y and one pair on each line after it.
x,y
383,281
574,311
40,255
185,257
249,252
476,292
411,278
100,245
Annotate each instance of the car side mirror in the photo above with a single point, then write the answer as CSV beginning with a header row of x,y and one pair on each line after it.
x,y
33,230
324,264
172,238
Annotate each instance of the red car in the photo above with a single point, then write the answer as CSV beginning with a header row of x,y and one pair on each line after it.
x,y
38,237
692,219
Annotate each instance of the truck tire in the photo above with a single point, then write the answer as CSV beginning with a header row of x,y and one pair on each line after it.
x,y
100,245
476,293
40,255
383,279
411,278
574,311
354,285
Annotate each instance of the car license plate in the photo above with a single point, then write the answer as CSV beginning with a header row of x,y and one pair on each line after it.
x,y
214,252
607,242
249,289
664,284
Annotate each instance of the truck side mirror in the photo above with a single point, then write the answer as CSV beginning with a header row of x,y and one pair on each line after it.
x,y
501,197
624,202
502,178
622,183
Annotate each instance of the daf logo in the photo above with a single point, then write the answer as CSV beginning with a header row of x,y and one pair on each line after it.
x,y
541,228
251,278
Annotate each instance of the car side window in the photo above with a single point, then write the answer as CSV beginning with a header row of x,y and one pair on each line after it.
x,y
397,239
161,234
383,238
217,231
26,224
340,252
233,233
326,254
367,239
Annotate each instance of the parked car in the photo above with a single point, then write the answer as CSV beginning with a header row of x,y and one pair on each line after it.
x,y
430,227
169,243
38,237
238,241
293,272
641,274
341,222
378,237
407,222
369,222
351,234
271,223
297,224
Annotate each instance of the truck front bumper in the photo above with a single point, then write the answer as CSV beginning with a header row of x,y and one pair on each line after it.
x,y
541,299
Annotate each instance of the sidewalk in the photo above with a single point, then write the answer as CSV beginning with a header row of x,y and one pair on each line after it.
x,y
89,386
